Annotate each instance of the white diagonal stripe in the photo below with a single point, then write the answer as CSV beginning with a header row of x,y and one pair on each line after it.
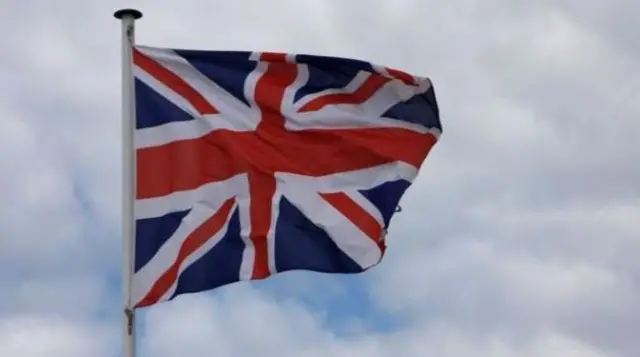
x,y
145,278
346,235
234,110
350,180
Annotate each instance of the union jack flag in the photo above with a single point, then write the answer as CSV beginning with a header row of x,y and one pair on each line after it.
x,y
254,163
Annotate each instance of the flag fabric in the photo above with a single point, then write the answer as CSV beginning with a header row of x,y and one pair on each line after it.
x,y
254,163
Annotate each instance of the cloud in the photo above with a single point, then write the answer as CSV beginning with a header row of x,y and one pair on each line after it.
x,y
519,238
34,336
295,331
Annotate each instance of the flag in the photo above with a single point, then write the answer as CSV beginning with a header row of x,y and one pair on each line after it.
x,y
253,163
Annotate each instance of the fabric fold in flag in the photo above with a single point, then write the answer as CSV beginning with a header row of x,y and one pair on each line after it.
x,y
252,163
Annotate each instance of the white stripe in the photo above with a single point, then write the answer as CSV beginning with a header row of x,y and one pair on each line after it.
x,y
144,279
250,86
184,130
234,110
382,70
366,114
184,200
347,236
255,56
249,253
337,117
302,77
165,91
271,235
350,180
353,86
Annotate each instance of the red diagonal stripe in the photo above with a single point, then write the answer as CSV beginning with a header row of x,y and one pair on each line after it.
x,y
194,241
174,82
366,91
357,215
403,76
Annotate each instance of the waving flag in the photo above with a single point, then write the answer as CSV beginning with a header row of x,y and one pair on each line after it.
x,y
250,164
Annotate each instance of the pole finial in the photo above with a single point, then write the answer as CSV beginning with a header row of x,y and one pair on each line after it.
x,y
122,13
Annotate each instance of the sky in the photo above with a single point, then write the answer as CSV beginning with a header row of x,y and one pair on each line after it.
x,y
519,238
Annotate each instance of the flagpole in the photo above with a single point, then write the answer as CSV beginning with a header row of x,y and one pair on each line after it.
x,y
127,17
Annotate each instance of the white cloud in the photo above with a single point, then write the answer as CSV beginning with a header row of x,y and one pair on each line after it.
x,y
282,328
35,336
520,237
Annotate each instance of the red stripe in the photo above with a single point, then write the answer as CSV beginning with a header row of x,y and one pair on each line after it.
x,y
194,241
262,187
388,144
174,82
357,215
366,91
269,93
273,56
403,76
188,164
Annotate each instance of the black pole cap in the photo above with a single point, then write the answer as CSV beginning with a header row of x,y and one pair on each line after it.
x,y
127,12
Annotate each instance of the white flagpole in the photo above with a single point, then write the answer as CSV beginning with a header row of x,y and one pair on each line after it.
x,y
128,17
